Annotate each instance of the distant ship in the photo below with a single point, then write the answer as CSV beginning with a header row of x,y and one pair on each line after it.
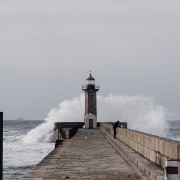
x,y
19,119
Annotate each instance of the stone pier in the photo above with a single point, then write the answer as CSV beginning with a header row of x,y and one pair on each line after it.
x,y
95,154
87,155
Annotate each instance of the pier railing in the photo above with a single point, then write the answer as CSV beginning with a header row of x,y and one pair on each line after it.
x,y
154,148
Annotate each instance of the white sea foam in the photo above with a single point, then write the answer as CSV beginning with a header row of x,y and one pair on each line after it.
x,y
68,110
140,112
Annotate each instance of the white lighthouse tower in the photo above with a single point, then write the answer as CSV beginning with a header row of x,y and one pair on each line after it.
x,y
90,115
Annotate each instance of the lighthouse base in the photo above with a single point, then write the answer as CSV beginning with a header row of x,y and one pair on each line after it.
x,y
90,121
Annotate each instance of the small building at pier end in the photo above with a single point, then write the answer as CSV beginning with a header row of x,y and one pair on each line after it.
x,y
90,114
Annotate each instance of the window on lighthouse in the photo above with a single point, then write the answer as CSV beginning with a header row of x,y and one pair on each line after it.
x,y
91,82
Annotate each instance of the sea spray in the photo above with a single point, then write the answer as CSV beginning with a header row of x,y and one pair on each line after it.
x,y
140,112
68,110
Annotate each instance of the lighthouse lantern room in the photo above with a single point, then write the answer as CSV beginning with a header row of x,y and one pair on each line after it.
x,y
90,115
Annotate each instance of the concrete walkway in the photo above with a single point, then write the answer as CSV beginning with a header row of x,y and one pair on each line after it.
x,y
88,155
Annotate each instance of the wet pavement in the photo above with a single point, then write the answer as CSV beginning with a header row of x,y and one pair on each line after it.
x,y
88,155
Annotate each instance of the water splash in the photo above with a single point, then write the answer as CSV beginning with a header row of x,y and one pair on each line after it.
x,y
68,110
140,112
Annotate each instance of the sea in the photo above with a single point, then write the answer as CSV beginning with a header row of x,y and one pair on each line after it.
x,y
20,156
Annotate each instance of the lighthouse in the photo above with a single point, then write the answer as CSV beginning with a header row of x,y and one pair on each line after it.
x,y
90,114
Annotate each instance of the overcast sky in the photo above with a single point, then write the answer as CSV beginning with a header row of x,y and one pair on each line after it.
x,y
48,47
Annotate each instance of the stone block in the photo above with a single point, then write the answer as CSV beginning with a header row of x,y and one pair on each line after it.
x,y
154,148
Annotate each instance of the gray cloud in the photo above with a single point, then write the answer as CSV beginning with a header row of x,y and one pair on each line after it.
x,y
48,47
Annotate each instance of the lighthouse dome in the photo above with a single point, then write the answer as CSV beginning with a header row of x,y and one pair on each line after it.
x,y
90,78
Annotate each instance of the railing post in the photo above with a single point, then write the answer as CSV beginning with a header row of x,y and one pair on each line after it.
x,y
1,145
171,169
